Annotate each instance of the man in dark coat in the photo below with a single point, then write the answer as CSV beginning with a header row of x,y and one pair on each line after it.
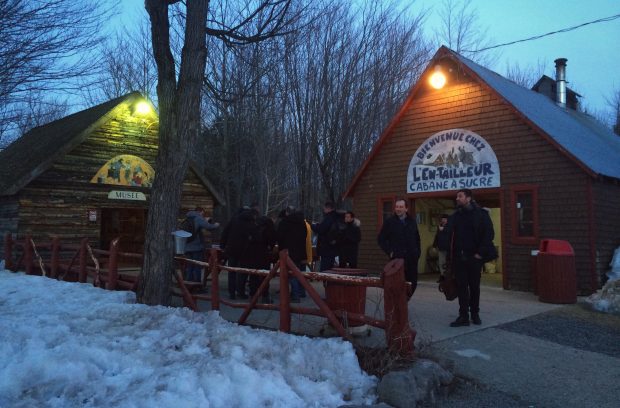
x,y
349,241
291,235
326,246
235,241
472,245
400,238
259,250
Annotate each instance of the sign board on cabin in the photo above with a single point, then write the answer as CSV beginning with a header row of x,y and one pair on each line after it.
x,y
126,195
453,159
125,170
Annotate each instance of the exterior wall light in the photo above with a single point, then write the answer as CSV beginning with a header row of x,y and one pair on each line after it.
x,y
438,78
142,108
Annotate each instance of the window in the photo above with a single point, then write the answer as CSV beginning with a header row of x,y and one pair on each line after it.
x,y
524,200
385,208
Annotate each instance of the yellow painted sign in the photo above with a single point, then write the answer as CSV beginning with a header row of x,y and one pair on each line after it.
x,y
125,170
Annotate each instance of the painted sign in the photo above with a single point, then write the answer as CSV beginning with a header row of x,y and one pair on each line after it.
x,y
453,159
125,170
126,195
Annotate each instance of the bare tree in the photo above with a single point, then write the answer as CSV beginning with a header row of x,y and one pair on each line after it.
x,y
179,91
461,31
614,104
525,76
45,46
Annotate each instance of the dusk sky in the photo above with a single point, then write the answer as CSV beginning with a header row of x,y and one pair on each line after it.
x,y
593,51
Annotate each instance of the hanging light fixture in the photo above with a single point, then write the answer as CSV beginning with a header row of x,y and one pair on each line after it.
x,y
438,78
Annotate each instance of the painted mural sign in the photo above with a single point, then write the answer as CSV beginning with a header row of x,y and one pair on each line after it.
x,y
125,170
453,159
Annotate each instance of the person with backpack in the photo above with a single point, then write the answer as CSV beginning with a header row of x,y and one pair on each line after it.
x,y
349,240
194,223
326,232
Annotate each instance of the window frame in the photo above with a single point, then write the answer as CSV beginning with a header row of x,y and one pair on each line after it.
x,y
515,237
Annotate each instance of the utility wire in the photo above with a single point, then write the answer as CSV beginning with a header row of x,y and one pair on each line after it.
x,y
564,30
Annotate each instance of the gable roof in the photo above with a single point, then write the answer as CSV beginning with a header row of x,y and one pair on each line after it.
x,y
33,153
583,139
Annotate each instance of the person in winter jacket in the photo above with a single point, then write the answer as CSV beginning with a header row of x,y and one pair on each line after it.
x,y
350,238
326,246
399,238
235,241
259,250
472,244
195,245
291,235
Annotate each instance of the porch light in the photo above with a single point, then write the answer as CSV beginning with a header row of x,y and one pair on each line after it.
x,y
142,108
438,78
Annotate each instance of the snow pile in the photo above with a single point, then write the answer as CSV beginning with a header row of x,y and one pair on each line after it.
x,y
68,344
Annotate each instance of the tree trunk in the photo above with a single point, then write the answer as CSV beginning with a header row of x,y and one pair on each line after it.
x,y
179,125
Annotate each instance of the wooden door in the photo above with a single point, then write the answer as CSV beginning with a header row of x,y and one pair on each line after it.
x,y
127,223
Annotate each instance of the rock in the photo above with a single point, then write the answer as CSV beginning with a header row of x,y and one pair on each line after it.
x,y
407,388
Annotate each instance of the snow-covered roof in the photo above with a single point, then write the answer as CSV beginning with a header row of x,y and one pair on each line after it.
x,y
583,137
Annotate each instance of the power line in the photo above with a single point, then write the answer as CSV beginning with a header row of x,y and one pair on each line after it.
x,y
564,30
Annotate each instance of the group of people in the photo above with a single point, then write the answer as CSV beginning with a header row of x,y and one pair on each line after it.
x,y
464,241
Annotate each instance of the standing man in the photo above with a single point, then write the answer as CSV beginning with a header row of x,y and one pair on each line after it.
x,y
350,241
291,235
259,250
326,246
442,243
400,238
472,245
195,245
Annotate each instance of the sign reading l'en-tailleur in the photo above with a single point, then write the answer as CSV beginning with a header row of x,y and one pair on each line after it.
x,y
453,159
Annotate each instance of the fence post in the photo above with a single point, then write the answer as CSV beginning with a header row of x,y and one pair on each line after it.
x,y
399,336
55,257
285,299
113,266
28,254
8,251
82,274
214,265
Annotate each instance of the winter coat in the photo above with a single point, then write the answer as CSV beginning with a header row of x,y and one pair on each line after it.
x,y
291,235
400,239
350,238
442,238
238,234
323,246
262,240
472,233
200,223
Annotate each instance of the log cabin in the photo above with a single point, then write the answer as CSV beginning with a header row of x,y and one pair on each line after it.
x,y
89,174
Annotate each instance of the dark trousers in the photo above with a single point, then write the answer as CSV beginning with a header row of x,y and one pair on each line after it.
x,y
193,272
467,273
232,277
411,272
327,262
256,280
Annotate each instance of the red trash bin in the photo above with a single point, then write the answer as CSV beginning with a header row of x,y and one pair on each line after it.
x,y
348,298
556,272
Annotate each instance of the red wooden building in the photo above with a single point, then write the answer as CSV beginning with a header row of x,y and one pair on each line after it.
x,y
544,169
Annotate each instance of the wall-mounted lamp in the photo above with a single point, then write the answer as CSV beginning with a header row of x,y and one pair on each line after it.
x,y
141,108
438,78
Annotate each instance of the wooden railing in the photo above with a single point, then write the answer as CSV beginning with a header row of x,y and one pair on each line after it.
x,y
71,262
399,335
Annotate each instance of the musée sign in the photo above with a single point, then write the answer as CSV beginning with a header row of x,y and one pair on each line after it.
x,y
453,159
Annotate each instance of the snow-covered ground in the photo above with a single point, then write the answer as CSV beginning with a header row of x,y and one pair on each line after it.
x,y
69,344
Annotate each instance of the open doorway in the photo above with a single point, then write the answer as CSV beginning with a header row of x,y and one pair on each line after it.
x,y
127,223
428,210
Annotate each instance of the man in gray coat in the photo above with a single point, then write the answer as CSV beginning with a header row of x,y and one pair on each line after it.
x,y
195,245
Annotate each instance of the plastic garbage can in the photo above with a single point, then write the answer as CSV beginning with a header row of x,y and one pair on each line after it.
x,y
557,275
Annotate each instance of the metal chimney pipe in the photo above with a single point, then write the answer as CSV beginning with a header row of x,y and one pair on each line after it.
x,y
560,81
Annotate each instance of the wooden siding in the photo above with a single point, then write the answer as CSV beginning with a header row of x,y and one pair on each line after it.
x,y
525,157
57,202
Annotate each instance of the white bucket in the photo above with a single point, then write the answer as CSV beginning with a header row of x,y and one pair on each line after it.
x,y
180,238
